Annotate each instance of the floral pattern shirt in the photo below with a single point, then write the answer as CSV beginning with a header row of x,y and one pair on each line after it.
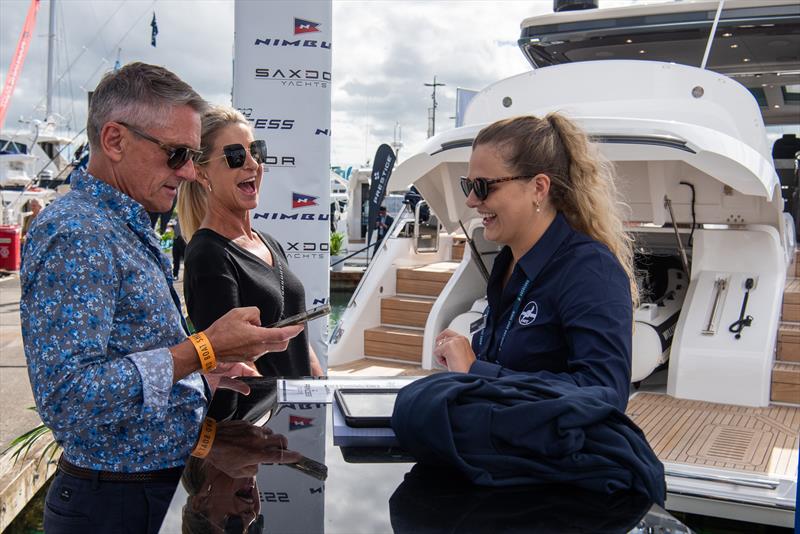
x,y
98,314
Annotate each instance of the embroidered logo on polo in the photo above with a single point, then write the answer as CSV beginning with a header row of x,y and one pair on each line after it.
x,y
296,422
529,313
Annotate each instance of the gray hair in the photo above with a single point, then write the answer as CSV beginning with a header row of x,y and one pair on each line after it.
x,y
139,94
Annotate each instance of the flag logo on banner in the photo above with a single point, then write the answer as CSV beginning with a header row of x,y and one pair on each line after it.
x,y
299,200
305,26
298,423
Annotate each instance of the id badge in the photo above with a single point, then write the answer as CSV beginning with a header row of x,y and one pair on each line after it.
x,y
477,325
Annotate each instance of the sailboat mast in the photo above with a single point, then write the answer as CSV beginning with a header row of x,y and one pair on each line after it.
x,y
51,38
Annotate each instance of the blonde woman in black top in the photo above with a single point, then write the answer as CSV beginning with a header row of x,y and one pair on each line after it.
x,y
229,264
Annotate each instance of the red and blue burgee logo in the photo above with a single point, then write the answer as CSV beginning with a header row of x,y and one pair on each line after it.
x,y
297,423
305,26
299,200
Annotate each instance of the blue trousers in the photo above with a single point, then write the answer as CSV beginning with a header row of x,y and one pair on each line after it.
x,y
77,506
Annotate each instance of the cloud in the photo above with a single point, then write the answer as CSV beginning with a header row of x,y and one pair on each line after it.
x,y
384,51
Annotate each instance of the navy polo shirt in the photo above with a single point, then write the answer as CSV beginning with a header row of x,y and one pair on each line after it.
x,y
573,320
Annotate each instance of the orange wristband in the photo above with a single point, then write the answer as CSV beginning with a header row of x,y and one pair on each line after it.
x,y
208,360
207,433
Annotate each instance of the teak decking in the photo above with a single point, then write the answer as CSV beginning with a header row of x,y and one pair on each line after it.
x,y
759,440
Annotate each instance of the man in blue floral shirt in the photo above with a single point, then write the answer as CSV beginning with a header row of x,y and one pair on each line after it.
x,y
113,373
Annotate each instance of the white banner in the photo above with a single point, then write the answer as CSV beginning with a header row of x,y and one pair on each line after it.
x,y
282,83
293,501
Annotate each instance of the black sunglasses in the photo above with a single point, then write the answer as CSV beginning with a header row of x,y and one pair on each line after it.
x,y
235,155
481,185
177,156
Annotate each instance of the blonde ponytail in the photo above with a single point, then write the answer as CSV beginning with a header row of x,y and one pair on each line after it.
x,y
191,208
590,200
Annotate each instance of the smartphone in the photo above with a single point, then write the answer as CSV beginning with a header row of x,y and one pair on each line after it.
x,y
303,317
311,467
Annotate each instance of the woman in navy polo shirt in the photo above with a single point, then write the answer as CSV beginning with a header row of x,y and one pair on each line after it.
x,y
562,289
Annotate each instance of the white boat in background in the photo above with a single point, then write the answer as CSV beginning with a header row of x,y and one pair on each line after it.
x,y
695,166
33,164
339,203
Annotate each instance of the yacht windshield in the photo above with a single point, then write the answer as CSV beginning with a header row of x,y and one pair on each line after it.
x,y
759,46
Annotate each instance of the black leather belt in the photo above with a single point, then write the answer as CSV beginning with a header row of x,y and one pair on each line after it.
x,y
172,474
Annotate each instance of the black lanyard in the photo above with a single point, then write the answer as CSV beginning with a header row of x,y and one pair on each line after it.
x,y
514,311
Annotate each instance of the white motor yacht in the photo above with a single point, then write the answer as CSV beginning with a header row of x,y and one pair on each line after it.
x,y
693,154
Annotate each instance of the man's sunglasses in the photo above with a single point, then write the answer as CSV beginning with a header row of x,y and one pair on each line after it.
x,y
481,185
235,155
177,156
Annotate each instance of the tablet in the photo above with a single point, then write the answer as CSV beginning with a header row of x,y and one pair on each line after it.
x,y
366,407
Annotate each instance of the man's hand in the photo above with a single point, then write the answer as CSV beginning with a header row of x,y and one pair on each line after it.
x,y
454,351
237,336
225,377
239,447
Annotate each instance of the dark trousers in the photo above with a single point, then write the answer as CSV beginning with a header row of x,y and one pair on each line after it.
x,y
77,506
178,250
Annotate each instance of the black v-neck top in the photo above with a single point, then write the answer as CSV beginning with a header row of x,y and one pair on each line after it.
x,y
220,275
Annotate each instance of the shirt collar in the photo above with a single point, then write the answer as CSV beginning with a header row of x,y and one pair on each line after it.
x,y
112,199
540,253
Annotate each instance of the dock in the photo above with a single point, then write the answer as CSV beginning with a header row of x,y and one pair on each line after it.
x,y
19,481
347,279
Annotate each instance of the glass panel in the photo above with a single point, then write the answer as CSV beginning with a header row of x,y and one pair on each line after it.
x,y
426,229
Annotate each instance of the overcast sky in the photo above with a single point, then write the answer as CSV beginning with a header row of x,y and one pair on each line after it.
x,y
383,53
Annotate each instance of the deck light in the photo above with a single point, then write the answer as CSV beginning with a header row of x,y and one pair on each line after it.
x,y
629,41
727,34
641,51
734,45
746,59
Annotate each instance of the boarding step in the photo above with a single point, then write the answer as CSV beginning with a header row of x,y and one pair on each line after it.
x,y
788,342
786,382
406,310
428,280
394,342
458,249
791,300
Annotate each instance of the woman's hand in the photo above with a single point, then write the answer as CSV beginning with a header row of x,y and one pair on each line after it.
x,y
454,351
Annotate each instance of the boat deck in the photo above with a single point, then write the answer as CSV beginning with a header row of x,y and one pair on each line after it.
x,y
375,367
758,440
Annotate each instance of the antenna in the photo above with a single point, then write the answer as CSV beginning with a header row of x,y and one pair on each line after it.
x,y
712,34
432,110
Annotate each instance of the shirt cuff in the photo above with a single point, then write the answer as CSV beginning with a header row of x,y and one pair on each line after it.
x,y
155,369
484,368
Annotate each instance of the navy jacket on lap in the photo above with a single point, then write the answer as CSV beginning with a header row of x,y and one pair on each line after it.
x,y
519,429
